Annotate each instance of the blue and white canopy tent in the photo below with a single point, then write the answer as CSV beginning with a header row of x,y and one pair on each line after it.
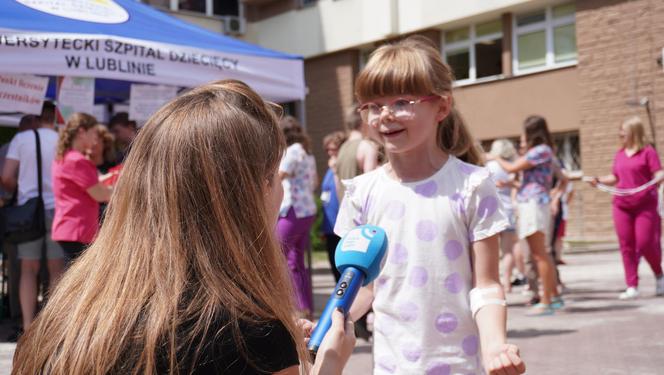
x,y
125,40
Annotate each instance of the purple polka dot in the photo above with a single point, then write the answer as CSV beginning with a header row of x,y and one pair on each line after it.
x,y
395,210
459,205
387,363
411,352
453,249
438,368
426,230
399,254
427,189
446,322
453,283
418,277
487,207
381,282
466,168
408,311
470,345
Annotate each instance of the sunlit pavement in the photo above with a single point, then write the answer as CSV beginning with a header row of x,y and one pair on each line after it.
x,y
595,333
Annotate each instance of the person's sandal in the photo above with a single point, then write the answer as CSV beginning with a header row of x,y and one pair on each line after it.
x,y
541,309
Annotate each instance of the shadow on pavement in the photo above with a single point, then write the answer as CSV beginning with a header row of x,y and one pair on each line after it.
x,y
592,309
531,332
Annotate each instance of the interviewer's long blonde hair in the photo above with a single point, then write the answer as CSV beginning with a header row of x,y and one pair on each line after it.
x,y
186,240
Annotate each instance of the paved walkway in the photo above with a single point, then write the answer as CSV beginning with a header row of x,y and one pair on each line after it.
x,y
595,334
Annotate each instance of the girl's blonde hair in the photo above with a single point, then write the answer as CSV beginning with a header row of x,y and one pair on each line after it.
x,y
503,148
413,66
186,242
635,132
68,132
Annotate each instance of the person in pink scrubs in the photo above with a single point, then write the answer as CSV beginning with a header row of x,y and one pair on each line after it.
x,y
76,186
637,222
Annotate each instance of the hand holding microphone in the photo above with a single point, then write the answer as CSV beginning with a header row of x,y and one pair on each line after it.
x,y
358,257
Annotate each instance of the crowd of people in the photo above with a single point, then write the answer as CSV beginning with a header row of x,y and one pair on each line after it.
x,y
199,266
72,165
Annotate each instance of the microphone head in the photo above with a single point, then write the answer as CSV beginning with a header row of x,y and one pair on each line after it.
x,y
363,248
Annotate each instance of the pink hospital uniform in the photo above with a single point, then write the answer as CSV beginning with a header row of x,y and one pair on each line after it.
x,y
637,221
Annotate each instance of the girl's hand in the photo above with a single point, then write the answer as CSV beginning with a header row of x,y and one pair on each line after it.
x,y
594,182
489,157
307,326
336,347
504,360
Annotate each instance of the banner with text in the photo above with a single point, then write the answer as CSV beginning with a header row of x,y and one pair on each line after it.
x,y
75,94
22,93
145,100
88,55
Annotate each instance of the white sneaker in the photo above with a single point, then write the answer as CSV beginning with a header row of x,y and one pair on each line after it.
x,y
659,286
630,293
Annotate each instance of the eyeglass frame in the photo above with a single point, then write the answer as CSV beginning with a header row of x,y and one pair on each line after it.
x,y
388,105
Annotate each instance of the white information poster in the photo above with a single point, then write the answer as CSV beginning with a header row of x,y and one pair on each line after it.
x,y
145,100
22,93
75,94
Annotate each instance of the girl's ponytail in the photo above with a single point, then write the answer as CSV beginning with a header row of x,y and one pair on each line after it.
x,y
454,138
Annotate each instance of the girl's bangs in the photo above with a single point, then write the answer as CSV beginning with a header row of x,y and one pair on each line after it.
x,y
394,72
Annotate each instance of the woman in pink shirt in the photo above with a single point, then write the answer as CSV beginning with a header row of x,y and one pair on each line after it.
x,y
637,221
76,186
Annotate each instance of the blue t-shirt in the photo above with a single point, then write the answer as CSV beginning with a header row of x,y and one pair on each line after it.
x,y
330,202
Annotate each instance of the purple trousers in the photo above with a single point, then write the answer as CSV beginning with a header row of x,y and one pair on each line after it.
x,y
293,233
639,232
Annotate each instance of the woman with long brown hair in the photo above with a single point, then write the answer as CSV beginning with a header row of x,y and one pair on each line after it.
x,y
534,211
185,276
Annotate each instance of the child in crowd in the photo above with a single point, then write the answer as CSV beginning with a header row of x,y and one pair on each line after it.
x,y
439,306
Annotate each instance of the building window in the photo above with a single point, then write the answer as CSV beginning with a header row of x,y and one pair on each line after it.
x,y
545,39
568,150
207,7
475,52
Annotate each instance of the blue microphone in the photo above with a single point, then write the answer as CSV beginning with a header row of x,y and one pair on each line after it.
x,y
358,257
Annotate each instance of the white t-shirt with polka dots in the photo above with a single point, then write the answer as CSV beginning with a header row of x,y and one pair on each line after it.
x,y
423,323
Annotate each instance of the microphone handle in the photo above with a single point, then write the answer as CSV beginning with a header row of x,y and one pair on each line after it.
x,y
342,297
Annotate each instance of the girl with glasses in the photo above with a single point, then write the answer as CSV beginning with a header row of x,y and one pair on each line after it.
x,y
438,303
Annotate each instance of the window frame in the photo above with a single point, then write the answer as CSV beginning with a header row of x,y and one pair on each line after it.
x,y
548,26
469,44
174,6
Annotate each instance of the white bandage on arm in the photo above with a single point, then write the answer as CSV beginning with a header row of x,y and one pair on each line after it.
x,y
478,298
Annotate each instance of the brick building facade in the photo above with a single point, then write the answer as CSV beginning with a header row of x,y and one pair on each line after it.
x,y
584,65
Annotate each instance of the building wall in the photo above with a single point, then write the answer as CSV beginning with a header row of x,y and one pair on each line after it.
x,y
619,43
329,97
329,26
497,109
